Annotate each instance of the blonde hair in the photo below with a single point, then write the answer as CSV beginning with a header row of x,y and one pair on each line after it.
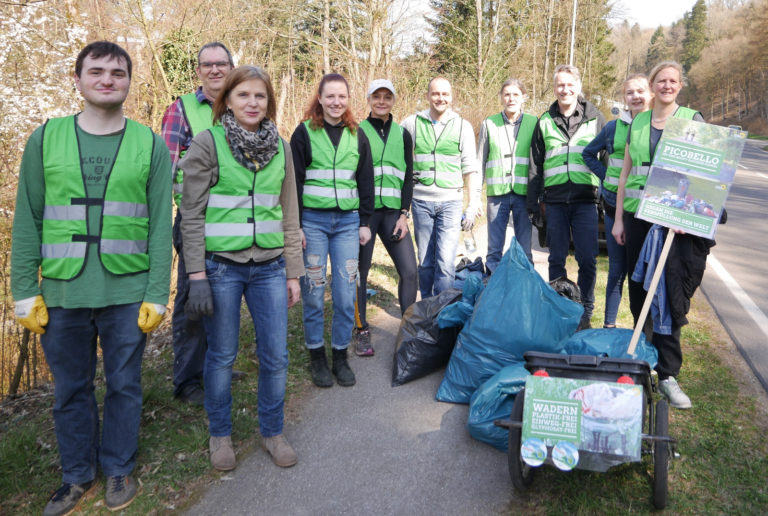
x,y
634,77
663,66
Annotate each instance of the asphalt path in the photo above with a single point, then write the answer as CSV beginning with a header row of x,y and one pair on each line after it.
x,y
736,280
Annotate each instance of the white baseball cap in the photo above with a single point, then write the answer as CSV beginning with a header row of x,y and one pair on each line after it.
x,y
378,84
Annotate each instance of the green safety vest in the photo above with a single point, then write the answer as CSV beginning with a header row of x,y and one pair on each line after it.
x,y
509,173
124,225
562,158
640,152
438,161
388,165
331,177
616,159
244,207
199,117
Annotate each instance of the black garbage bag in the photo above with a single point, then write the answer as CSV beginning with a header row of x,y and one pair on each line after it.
x,y
422,347
566,288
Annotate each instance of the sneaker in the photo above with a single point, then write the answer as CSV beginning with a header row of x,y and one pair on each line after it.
x,y
281,452
192,394
121,490
672,391
222,454
344,375
363,346
318,368
66,498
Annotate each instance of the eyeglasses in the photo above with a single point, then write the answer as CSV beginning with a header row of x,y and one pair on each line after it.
x,y
207,66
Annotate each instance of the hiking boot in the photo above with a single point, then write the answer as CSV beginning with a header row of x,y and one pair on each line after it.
x,y
318,368
66,498
363,346
222,454
584,324
344,375
192,394
281,452
121,490
677,398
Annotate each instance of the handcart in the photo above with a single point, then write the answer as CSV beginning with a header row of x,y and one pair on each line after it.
x,y
601,445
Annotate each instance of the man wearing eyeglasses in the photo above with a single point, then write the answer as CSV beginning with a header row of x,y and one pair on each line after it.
x,y
184,118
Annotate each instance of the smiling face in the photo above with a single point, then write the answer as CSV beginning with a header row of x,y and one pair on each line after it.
x,y
103,82
440,97
637,96
212,70
567,90
248,102
381,102
512,100
334,99
666,85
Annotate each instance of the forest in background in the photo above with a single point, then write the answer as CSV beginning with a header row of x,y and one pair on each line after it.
x,y
475,43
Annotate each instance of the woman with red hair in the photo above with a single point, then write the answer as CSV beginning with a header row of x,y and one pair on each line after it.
x,y
334,178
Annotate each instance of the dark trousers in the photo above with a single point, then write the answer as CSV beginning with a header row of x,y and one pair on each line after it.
x,y
381,223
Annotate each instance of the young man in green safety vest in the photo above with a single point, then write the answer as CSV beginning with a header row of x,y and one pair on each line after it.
x,y
93,218
184,118
444,162
569,187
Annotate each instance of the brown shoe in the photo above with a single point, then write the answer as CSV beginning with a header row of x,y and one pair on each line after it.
x,y
281,452
222,454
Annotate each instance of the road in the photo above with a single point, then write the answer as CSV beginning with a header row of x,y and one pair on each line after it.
x,y
736,280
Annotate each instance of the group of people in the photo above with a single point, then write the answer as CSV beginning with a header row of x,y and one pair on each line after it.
x,y
258,217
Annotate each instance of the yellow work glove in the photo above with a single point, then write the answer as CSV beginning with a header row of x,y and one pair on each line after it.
x,y
150,316
32,314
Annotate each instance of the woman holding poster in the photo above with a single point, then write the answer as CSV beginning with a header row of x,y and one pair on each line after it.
x,y
687,258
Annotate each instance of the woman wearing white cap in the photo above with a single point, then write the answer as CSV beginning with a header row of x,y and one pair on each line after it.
x,y
393,188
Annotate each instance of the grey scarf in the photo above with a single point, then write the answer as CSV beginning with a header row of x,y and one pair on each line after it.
x,y
251,150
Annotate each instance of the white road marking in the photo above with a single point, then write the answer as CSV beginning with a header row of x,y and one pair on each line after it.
x,y
743,298
762,175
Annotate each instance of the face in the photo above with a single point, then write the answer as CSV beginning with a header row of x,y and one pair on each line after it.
x,y
212,69
666,85
103,82
637,96
439,96
512,99
248,102
567,89
381,102
334,99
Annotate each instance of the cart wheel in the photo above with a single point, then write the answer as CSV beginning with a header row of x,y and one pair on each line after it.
x,y
520,472
661,456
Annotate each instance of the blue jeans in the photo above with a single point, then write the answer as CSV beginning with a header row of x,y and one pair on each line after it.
x,y
436,227
579,220
69,343
617,270
265,294
188,335
336,233
499,208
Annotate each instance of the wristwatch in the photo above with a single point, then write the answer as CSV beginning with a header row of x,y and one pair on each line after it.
x,y
406,213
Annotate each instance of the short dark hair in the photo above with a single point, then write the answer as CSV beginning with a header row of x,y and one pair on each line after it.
x,y
215,44
99,49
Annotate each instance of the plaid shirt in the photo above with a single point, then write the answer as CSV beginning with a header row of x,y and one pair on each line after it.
x,y
176,131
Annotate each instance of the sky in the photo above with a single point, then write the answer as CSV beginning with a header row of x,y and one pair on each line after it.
x,y
652,13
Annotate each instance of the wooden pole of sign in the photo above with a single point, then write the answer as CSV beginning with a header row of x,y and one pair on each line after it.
x,y
651,291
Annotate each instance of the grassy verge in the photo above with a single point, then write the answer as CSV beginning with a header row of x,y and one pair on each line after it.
x,y
722,442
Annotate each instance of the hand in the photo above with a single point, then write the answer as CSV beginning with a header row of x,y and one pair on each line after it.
x,y
294,291
468,220
200,299
303,239
32,314
401,227
618,231
365,235
150,316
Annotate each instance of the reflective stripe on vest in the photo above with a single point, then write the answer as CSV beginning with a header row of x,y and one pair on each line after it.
x,y
124,225
640,151
244,207
510,172
563,161
388,164
438,161
616,160
199,117
330,181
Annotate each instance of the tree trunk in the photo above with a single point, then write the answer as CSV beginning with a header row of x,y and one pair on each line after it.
x,y
325,35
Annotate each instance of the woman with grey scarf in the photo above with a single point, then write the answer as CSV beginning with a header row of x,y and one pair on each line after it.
x,y
240,227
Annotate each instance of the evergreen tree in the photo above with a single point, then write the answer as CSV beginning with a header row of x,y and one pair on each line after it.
x,y
658,50
695,34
